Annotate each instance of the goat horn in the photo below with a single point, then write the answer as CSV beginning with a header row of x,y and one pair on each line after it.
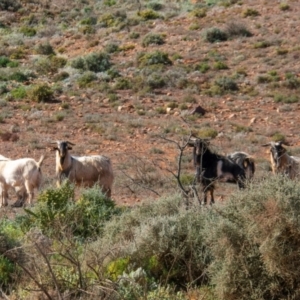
x,y
70,143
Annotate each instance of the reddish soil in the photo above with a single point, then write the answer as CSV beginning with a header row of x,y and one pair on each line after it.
x,y
134,141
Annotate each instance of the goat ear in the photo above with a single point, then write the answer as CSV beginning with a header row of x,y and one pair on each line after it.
x,y
265,145
54,149
69,148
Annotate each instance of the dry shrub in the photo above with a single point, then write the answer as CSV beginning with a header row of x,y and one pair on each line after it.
x,y
255,240
163,238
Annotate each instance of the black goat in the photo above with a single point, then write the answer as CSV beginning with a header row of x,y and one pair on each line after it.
x,y
212,167
245,161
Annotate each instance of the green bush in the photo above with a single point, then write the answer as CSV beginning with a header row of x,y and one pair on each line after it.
x,y
40,93
155,6
220,65
95,62
286,98
45,49
291,81
86,78
28,31
113,20
112,48
262,44
89,21
203,67
6,62
156,81
19,92
199,12
10,5
154,39
161,238
85,218
214,35
122,83
148,14
250,12
226,84
61,76
19,76
157,57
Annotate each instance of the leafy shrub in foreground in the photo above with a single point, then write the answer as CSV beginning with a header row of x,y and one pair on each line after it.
x,y
255,241
85,218
163,239
10,234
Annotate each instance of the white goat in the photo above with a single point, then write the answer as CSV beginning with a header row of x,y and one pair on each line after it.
x,y
23,172
281,162
20,191
83,170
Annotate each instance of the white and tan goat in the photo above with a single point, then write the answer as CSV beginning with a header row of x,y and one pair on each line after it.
x,y
20,173
281,162
83,170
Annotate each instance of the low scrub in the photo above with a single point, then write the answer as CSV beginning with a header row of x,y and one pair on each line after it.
x,y
243,248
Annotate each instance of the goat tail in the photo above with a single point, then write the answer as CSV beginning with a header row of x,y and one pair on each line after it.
x,y
39,163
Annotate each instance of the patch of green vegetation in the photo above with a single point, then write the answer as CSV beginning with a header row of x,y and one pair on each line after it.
x,y
203,67
40,93
207,132
155,6
95,62
250,12
148,14
44,49
286,98
262,44
19,92
28,31
278,136
154,39
214,35
113,19
284,6
154,58
86,78
220,65
199,12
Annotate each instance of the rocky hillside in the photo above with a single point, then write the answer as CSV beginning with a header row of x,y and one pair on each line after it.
x,y
128,79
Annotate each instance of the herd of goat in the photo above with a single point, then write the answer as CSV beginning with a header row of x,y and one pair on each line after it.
x,y
24,175
237,167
